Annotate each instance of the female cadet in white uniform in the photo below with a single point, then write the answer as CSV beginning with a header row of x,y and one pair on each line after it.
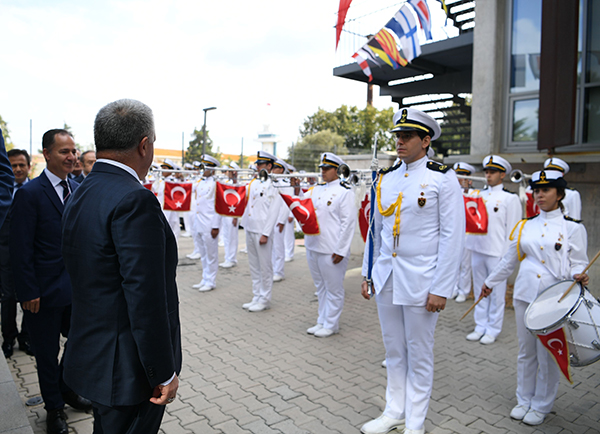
x,y
572,200
207,224
416,267
552,248
328,253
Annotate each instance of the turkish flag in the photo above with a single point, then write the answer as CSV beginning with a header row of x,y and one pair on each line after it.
x,y
363,217
556,343
178,196
476,215
148,185
531,207
304,211
230,201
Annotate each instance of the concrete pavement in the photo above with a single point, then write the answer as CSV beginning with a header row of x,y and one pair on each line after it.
x,y
261,373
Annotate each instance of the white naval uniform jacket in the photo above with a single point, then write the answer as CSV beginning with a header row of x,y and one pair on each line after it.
x,y
427,257
263,208
206,216
336,215
504,211
555,249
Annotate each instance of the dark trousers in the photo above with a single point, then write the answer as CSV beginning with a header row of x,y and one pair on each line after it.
x,y
45,329
144,418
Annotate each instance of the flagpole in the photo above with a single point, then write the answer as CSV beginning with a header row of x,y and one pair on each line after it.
x,y
374,167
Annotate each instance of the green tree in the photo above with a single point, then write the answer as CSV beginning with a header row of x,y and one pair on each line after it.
x,y
307,151
6,133
70,130
357,127
194,150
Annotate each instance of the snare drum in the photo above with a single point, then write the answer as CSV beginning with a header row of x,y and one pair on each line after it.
x,y
578,313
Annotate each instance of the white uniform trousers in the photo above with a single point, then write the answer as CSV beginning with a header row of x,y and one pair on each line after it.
x,y
290,239
329,280
196,238
261,267
463,285
278,252
538,375
188,218
209,257
230,239
173,219
489,313
408,338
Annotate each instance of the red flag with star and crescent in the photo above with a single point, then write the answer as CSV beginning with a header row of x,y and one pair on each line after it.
x,y
531,207
556,343
304,211
476,215
363,217
230,200
178,196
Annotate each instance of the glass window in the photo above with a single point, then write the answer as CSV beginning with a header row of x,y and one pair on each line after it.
x,y
592,115
525,47
525,120
593,43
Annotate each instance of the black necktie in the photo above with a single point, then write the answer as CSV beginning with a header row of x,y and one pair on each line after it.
x,y
19,185
66,191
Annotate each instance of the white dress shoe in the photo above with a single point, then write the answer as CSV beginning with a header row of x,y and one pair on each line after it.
x,y
258,307
289,259
313,329
205,288
193,256
227,264
244,250
519,412
324,333
384,364
460,298
474,336
198,285
381,425
186,234
414,431
277,278
487,339
247,305
534,417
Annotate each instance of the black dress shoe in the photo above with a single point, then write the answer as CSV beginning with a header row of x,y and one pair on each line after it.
x,y
76,401
7,349
25,347
56,422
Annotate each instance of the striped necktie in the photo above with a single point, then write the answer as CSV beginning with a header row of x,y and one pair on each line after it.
x,y
66,192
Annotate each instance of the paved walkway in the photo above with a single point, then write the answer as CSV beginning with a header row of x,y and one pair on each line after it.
x,y
261,373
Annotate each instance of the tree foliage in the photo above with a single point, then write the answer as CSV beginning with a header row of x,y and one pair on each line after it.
x,y
6,133
356,127
194,150
305,154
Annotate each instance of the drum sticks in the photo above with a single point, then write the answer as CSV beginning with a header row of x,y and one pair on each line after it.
x,y
583,272
474,304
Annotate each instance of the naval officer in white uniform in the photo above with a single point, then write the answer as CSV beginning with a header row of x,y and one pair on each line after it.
x,y
419,226
572,199
230,225
282,186
328,253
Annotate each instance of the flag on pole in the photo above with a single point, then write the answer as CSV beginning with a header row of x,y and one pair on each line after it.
x,y
363,217
230,200
422,11
531,207
556,343
388,43
342,11
475,215
405,27
178,196
304,211
364,65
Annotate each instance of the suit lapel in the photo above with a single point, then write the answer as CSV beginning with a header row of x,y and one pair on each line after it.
x,y
51,193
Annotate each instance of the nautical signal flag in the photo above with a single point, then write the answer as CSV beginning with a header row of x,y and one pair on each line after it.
x,y
178,196
556,343
422,10
230,200
388,43
364,65
304,212
405,27
476,215
363,217
342,11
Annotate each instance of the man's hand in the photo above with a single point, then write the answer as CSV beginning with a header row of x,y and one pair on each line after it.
x,y
32,305
364,290
336,258
162,394
583,278
280,226
234,221
485,291
263,240
435,303
290,219
214,233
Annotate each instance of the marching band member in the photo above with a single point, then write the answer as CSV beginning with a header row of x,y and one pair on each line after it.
x,y
419,226
551,247
289,231
259,220
171,216
329,252
504,211
463,284
188,216
207,226
278,256
195,237
572,200
230,226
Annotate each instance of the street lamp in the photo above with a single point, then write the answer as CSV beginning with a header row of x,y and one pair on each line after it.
x,y
204,130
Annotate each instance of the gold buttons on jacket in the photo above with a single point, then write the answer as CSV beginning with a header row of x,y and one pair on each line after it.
x,y
539,277
541,247
406,175
394,255
543,262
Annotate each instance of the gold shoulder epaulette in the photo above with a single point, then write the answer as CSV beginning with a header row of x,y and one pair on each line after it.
x,y
437,167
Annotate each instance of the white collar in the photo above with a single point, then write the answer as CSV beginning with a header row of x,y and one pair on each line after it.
x,y
54,180
120,165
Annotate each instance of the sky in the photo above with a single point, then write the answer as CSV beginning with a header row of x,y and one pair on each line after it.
x,y
259,62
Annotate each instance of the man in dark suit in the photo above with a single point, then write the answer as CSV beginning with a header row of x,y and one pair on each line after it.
x,y
124,351
6,181
41,280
